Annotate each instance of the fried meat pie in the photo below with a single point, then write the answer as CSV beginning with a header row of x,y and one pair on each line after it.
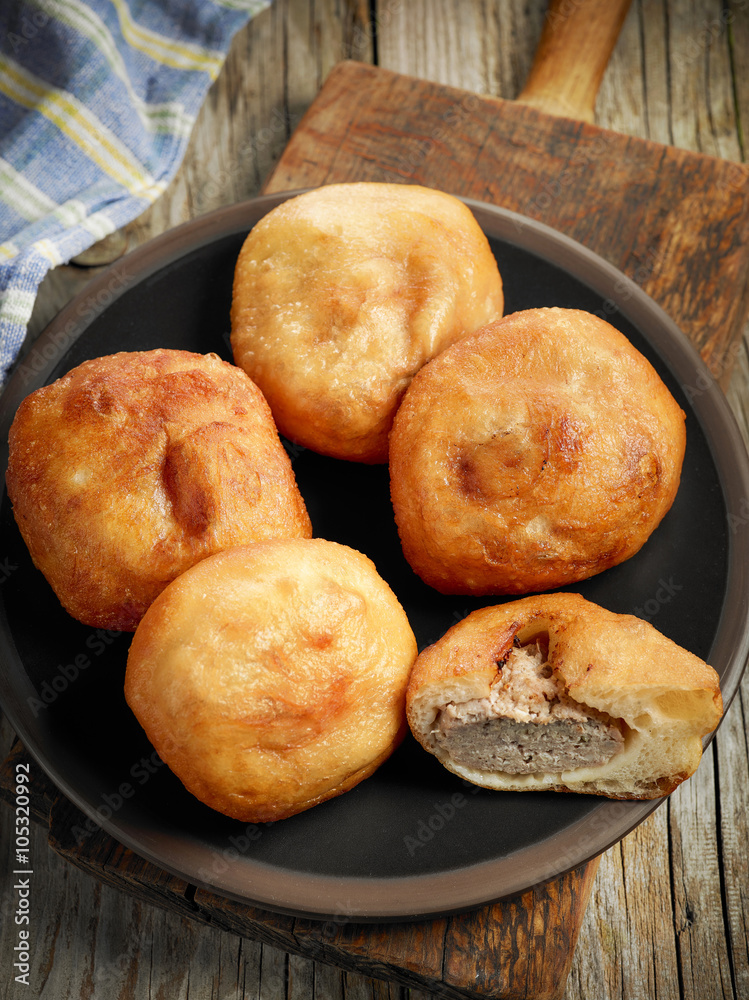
x,y
555,693
539,451
341,294
132,467
272,677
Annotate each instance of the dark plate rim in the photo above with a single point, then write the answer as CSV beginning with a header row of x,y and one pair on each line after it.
x,y
367,899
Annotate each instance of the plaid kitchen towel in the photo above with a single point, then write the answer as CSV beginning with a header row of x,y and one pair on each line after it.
x,y
97,101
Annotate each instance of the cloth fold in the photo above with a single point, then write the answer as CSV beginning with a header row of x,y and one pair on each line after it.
x,y
97,102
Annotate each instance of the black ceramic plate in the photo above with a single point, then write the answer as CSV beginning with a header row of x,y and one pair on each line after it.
x,y
413,840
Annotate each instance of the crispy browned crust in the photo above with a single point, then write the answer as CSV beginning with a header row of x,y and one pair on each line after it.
x,y
617,664
134,466
272,677
537,452
343,293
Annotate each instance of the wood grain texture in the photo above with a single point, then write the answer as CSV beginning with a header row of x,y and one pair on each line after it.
x,y
679,74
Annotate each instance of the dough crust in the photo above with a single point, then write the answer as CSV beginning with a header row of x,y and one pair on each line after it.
x,y
343,293
537,452
667,698
134,466
272,677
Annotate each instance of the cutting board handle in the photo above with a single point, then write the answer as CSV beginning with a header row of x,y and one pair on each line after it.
x,y
577,40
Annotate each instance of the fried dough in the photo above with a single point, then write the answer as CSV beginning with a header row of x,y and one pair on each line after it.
x,y
554,693
341,294
537,452
134,466
272,677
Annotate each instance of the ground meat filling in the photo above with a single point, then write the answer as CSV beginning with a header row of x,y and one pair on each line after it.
x,y
528,723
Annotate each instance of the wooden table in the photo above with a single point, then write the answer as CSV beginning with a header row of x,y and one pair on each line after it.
x,y
669,913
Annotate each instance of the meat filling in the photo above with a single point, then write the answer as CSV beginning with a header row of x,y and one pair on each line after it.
x,y
528,724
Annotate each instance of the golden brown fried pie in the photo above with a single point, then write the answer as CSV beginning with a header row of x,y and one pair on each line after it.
x,y
340,296
555,693
537,452
134,466
272,677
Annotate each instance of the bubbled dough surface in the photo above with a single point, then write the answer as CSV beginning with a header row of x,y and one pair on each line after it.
x,y
343,293
618,664
272,677
133,466
539,451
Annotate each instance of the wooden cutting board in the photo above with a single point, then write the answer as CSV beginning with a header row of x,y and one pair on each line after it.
x,y
676,224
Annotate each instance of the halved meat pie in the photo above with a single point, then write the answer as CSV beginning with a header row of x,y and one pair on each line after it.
x,y
553,692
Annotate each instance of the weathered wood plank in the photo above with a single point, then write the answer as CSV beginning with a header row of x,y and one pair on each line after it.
x,y
697,893
732,771
621,105
486,48
625,946
737,28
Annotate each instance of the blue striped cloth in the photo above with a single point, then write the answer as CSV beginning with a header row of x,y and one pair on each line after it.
x,y
97,101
